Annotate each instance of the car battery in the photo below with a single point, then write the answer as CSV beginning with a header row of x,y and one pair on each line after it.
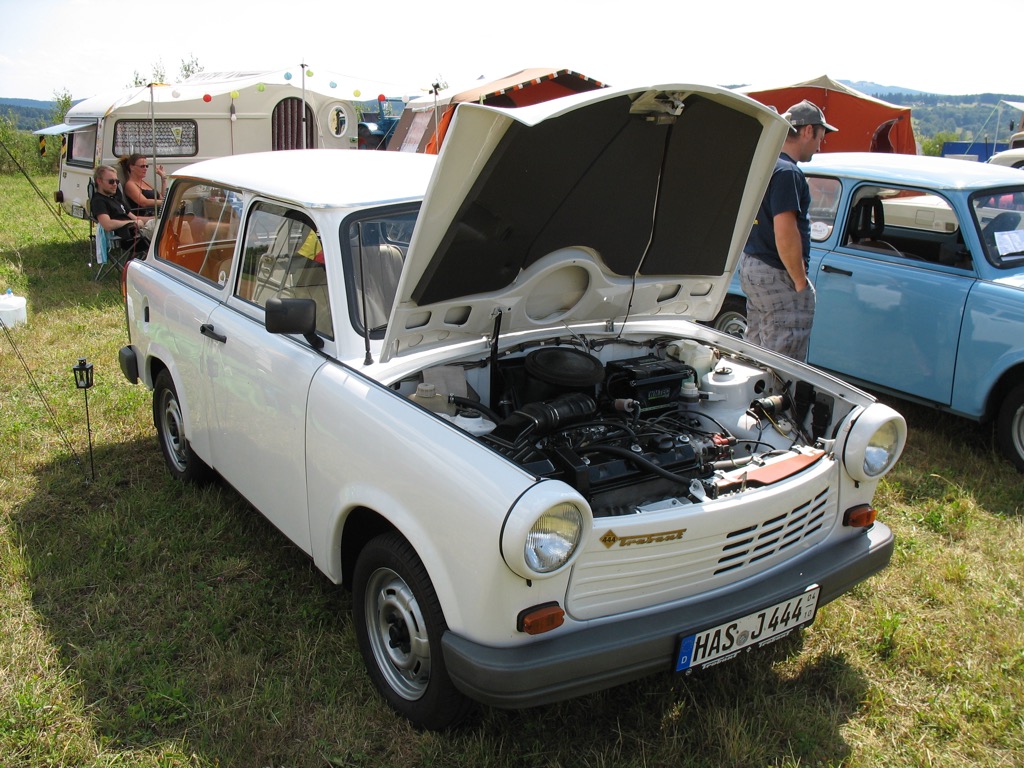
x,y
654,383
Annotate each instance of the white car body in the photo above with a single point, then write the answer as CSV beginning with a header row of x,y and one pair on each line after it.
x,y
1011,157
551,300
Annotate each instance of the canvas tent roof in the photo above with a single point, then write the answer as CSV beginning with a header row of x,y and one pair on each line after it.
x,y
865,124
218,83
415,131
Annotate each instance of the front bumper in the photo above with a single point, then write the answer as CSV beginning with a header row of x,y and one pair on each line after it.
x,y
609,654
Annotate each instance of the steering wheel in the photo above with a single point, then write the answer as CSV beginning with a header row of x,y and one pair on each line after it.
x,y
1003,222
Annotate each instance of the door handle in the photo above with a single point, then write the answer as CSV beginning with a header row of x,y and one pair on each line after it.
x,y
835,270
207,330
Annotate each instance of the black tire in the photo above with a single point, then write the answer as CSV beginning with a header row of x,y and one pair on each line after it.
x,y
732,318
1010,427
394,604
181,460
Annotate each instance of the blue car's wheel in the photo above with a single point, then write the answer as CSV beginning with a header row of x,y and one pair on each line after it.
x,y
1010,426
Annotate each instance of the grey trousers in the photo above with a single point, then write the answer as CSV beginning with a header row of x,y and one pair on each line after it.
x,y
778,317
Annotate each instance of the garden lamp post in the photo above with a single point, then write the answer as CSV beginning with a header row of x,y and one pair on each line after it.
x,y
83,381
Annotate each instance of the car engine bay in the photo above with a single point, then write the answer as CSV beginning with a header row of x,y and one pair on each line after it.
x,y
675,421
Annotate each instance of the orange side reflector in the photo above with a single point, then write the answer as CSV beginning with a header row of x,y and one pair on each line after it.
x,y
540,618
861,516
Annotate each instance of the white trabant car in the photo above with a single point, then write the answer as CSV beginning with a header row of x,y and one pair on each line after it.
x,y
472,387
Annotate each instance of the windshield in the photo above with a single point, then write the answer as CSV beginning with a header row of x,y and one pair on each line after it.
x,y
999,216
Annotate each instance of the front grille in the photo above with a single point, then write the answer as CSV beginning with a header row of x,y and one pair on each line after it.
x,y
642,561
757,542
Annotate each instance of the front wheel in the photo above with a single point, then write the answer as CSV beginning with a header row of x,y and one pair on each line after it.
x,y
181,460
399,624
1010,426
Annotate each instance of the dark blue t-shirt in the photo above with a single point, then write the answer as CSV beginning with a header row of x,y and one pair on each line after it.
x,y
787,191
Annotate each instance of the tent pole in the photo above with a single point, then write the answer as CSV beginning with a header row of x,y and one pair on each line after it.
x,y
152,128
303,105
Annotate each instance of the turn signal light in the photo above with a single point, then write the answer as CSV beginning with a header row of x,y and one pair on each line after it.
x,y
540,619
861,516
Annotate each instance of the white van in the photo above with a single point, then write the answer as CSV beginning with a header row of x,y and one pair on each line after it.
x,y
213,115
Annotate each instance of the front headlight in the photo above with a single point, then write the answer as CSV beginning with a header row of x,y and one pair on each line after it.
x,y
540,545
875,442
553,538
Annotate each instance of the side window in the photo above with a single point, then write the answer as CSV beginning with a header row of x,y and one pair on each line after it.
x,y
374,250
282,256
911,224
825,195
80,147
199,230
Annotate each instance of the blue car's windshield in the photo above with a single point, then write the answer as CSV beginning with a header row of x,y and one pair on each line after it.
x,y
999,216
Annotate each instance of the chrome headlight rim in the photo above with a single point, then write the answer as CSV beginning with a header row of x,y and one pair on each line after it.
x,y
875,442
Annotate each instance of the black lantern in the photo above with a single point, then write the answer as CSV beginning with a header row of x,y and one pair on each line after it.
x,y
83,381
83,374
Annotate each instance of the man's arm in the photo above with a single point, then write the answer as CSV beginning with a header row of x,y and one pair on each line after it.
x,y
790,247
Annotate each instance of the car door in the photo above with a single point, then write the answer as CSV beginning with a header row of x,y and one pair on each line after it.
x,y
891,293
261,380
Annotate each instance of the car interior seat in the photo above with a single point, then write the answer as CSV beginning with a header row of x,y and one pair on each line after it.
x,y
378,267
867,222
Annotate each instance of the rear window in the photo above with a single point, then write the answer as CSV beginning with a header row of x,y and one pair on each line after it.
x,y
200,229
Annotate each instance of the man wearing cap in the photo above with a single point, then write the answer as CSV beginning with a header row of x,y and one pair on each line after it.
x,y
773,273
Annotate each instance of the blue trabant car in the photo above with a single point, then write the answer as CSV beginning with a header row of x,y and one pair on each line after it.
x,y
471,387
918,265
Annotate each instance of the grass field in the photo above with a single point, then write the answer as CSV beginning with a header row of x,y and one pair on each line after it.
x,y
145,623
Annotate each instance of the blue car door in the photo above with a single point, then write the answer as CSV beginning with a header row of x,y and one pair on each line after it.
x,y
888,315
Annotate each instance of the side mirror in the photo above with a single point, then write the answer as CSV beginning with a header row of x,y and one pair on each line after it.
x,y
293,316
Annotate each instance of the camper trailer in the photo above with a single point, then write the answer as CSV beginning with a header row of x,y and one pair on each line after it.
x,y
213,115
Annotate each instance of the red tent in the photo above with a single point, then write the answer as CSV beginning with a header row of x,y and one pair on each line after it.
x,y
415,130
865,124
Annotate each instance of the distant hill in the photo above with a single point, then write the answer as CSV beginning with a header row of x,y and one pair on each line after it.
x,y
874,89
32,103
29,114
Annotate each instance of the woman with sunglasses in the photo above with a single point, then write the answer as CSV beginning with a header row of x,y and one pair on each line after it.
x,y
140,193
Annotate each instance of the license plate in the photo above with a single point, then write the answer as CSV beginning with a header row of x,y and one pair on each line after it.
x,y
718,644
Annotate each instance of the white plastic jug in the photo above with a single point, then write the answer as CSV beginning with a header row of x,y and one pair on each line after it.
x,y
13,310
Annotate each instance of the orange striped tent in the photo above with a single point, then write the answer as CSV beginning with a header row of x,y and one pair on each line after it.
x,y
416,128
865,124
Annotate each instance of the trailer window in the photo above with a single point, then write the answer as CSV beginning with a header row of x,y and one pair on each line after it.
x,y
81,147
338,121
174,138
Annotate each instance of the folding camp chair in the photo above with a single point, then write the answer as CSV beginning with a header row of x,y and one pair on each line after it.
x,y
111,252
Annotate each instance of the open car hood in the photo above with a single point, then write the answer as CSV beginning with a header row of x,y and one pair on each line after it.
x,y
613,204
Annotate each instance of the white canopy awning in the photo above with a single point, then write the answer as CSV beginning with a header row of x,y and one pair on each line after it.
x,y
56,130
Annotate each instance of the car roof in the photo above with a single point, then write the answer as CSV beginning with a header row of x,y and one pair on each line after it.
x,y
321,178
918,170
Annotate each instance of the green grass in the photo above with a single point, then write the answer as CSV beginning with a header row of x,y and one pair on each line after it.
x,y
146,623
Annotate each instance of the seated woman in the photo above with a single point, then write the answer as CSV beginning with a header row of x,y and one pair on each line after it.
x,y
142,196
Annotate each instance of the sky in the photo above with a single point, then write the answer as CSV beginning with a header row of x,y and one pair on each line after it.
x,y
98,46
